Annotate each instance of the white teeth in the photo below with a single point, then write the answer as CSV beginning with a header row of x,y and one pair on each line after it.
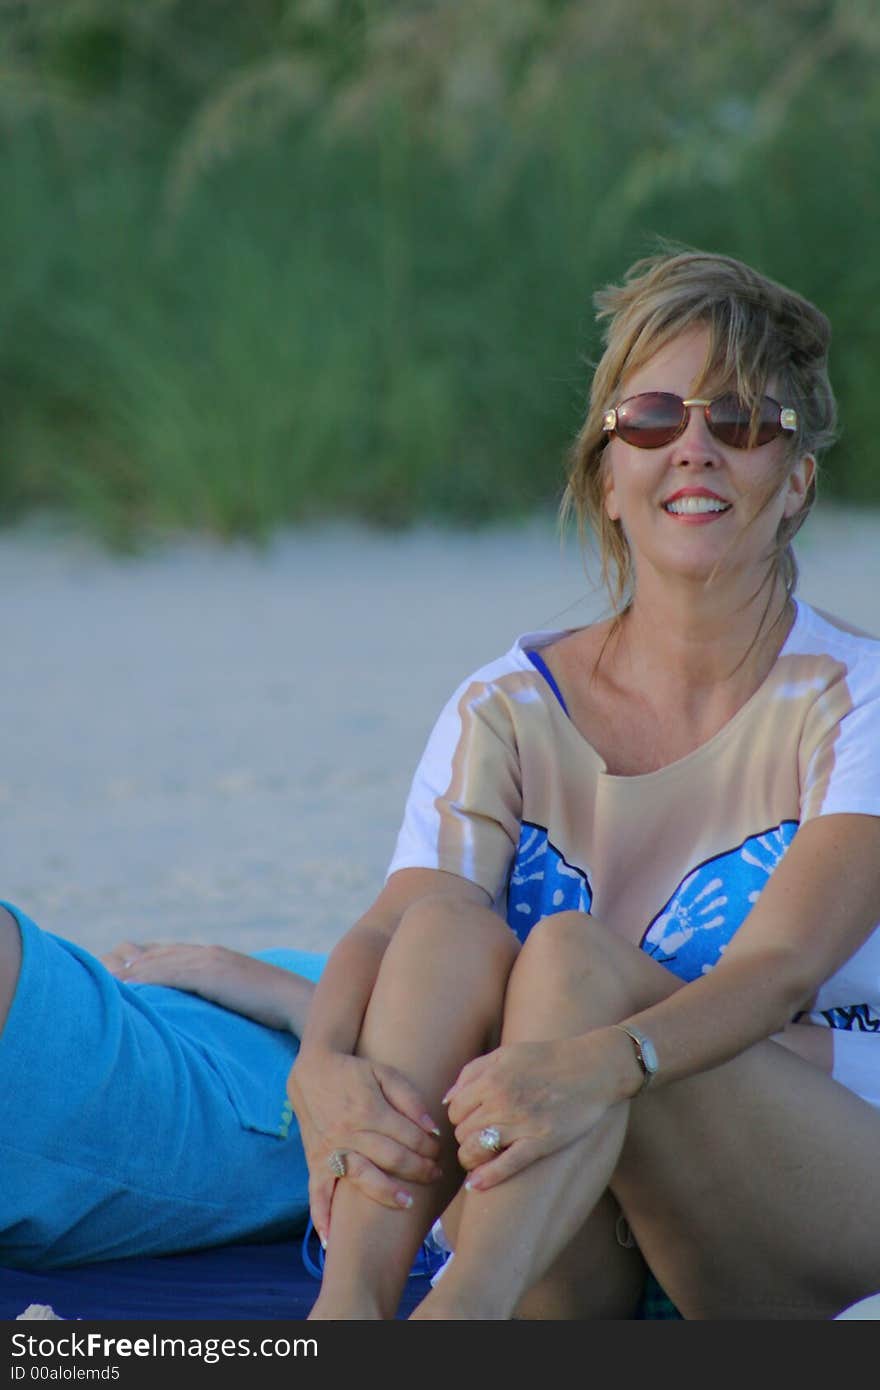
x,y
688,506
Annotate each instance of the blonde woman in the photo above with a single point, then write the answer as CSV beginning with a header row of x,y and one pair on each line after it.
x,y
617,1007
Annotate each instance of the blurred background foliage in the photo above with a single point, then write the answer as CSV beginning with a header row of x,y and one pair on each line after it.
x,y
295,259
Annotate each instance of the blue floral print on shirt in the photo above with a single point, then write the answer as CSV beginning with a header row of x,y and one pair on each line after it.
x,y
542,883
690,933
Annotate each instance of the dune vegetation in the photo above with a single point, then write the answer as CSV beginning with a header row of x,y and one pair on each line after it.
x,y
298,259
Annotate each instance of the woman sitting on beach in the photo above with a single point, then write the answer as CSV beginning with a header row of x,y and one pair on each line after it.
x,y
672,1061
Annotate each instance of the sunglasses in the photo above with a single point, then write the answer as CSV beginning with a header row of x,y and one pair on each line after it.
x,y
655,418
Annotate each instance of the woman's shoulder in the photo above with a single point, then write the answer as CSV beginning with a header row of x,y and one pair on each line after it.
x,y
817,632
583,644
502,690
549,644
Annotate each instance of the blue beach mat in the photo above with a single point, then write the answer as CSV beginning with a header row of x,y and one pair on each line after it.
x,y
232,1282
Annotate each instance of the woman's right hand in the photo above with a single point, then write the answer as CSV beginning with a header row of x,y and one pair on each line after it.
x,y
372,1115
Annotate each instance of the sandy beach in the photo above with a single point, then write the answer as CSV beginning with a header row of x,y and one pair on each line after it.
x,y
214,743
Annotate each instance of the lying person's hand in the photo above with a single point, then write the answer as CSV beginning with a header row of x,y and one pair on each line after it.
x,y
372,1118
539,1096
266,993
181,965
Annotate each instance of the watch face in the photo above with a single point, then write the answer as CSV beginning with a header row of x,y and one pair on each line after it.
x,y
649,1053
646,1052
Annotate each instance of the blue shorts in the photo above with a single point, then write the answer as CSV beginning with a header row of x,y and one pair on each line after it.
x,y
137,1119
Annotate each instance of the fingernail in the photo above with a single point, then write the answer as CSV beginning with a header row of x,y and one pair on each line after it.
x,y
403,1199
472,1185
447,1098
323,1243
428,1122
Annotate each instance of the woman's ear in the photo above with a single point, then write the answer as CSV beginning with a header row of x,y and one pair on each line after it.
x,y
798,484
612,511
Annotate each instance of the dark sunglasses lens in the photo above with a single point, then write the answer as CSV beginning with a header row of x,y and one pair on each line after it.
x,y
651,419
730,420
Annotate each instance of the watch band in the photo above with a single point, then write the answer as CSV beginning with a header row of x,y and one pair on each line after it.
x,y
646,1054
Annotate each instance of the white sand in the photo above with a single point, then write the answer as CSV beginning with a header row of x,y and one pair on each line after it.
x,y
215,744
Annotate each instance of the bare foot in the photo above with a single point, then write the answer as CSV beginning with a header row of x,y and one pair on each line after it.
x,y
358,1308
449,1305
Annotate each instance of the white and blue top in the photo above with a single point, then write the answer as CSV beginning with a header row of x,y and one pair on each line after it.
x,y
509,795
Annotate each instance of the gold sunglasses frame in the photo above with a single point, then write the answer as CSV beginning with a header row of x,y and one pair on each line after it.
x,y
788,419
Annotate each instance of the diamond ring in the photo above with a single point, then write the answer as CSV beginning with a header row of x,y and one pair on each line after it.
x,y
336,1163
490,1139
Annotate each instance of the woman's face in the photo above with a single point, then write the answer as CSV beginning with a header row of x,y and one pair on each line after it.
x,y
646,490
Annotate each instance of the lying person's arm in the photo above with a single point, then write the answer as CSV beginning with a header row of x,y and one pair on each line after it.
x,y
266,993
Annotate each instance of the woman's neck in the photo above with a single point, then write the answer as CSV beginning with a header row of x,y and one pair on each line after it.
x,y
689,646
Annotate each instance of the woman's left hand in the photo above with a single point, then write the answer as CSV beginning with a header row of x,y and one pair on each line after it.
x,y
254,988
181,965
540,1096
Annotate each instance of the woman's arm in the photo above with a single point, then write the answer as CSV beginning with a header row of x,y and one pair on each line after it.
x,y
818,907
820,904
266,993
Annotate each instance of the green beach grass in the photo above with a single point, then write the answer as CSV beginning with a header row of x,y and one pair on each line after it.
x,y
338,260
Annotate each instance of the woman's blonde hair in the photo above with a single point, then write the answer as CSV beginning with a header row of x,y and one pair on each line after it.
x,y
757,329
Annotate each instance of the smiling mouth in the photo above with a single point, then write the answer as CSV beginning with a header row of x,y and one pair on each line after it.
x,y
695,506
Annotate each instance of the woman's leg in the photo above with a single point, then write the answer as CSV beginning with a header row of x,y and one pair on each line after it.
x,y
751,1189
436,1004
544,1243
758,1195
10,961
599,1274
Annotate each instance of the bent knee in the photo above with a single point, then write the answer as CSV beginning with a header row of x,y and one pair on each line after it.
x,y
441,923
582,953
569,940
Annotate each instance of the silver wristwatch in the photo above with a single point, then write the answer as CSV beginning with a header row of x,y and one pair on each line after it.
x,y
646,1054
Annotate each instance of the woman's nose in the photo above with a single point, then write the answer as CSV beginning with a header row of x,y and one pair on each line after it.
x,y
696,446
